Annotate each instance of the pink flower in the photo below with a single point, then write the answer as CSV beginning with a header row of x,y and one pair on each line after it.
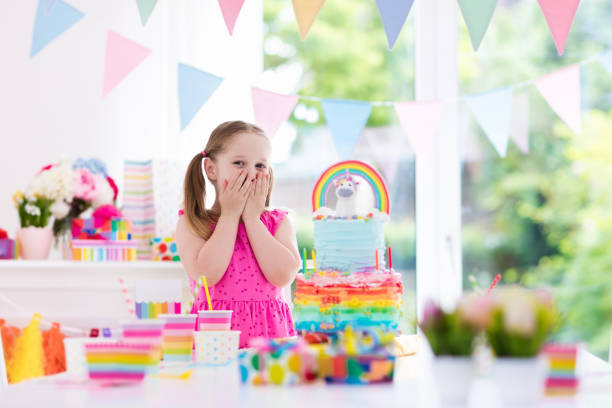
x,y
431,313
106,212
477,310
85,185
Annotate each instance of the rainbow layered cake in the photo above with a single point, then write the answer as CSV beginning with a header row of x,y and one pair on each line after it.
x,y
350,283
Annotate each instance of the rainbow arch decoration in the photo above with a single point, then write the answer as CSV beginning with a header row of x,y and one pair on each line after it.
x,y
354,167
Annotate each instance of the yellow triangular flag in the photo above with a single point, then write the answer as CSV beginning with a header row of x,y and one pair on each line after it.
x,y
306,12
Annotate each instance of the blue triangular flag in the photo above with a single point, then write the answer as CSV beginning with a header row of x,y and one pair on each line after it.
x,y
493,112
346,120
195,87
393,14
52,19
606,61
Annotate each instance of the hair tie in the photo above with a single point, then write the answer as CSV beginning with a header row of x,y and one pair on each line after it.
x,y
203,153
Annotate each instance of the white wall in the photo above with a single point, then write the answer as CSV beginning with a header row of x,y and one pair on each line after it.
x,y
51,106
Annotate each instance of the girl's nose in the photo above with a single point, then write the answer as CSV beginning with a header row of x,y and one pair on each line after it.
x,y
252,173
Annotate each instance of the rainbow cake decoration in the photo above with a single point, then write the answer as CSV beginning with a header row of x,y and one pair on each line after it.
x,y
118,362
349,284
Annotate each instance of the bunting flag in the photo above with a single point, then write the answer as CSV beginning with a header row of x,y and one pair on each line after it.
x,y
561,89
195,87
306,12
51,20
606,61
122,56
230,10
393,14
346,120
477,15
271,109
387,151
145,8
559,16
519,131
493,112
420,121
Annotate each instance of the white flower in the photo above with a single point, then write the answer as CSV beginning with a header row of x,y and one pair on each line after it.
x,y
32,209
55,183
60,209
105,193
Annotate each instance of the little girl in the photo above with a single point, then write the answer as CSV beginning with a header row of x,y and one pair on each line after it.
x,y
247,252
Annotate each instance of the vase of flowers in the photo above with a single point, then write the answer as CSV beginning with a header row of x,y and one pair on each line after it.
x,y
34,235
519,322
451,336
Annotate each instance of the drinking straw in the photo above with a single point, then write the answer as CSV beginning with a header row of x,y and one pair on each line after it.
x,y
377,260
497,278
126,297
390,259
207,294
314,262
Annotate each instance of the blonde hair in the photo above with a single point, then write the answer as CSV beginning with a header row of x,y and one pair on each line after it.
x,y
199,219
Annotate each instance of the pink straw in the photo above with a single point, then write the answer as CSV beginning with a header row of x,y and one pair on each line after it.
x,y
126,297
497,278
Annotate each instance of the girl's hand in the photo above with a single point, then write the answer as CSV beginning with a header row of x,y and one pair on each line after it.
x,y
234,193
256,202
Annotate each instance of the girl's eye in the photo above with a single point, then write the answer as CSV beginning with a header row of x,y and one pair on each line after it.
x,y
239,163
261,166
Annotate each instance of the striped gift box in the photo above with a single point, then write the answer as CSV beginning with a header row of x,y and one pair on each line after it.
x,y
118,362
562,380
214,320
177,344
138,203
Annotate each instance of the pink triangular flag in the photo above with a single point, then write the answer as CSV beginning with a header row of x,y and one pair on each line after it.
x,y
122,56
387,152
420,121
271,109
559,15
230,10
561,89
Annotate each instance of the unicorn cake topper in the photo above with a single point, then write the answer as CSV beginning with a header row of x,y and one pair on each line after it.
x,y
346,192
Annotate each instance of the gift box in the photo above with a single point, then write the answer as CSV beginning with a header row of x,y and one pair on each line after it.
x,y
164,249
8,248
113,229
278,362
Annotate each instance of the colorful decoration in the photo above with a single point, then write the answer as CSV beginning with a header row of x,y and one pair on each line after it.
x,y
51,21
477,15
354,167
164,249
8,248
148,331
493,112
393,14
306,12
561,89
230,10
346,120
113,363
145,8
195,87
178,336
562,380
96,250
139,204
114,229
216,347
559,16
272,109
278,362
53,346
28,358
122,57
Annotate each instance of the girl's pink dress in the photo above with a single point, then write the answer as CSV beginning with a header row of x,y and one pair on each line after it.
x,y
258,306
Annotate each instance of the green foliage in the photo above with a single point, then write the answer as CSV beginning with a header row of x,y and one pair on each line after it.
x,y
34,212
449,335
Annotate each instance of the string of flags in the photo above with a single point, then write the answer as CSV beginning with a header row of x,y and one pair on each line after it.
x,y
492,110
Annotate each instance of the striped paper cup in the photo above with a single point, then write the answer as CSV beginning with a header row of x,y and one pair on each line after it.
x,y
118,362
177,342
214,320
76,361
145,331
216,346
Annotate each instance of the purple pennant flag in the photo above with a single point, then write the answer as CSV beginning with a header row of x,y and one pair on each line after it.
x,y
393,14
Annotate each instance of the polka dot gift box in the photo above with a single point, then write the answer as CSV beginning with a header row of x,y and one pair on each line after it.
x,y
164,249
278,362
216,347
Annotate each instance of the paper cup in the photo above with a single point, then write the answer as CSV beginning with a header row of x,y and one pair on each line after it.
x,y
177,342
216,347
145,331
214,320
76,361
118,362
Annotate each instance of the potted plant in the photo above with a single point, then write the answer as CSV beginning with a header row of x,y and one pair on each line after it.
x,y
518,323
451,336
34,235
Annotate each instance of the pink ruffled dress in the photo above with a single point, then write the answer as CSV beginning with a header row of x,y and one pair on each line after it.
x,y
258,306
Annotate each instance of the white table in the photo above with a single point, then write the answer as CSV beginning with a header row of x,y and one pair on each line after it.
x,y
220,386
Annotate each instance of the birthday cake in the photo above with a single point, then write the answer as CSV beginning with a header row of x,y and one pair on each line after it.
x,y
350,284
